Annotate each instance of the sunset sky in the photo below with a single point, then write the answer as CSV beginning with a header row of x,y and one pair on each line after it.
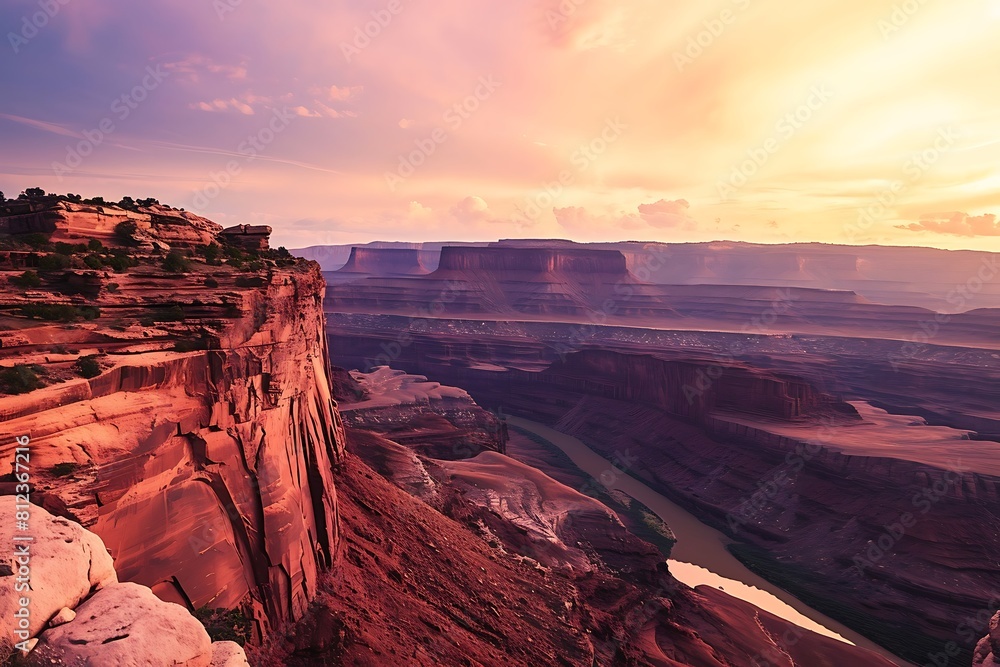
x,y
752,120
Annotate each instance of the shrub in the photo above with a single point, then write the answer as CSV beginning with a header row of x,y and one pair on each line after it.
x,y
94,245
94,262
69,248
172,314
225,624
89,312
176,262
35,240
20,379
27,279
120,262
125,232
112,287
212,252
211,282
54,262
65,468
87,367
50,312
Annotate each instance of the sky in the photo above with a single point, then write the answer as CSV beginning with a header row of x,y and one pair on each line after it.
x,y
846,121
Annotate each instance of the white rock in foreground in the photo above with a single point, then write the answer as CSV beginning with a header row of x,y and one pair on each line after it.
x,y
127,626
228,654
65,562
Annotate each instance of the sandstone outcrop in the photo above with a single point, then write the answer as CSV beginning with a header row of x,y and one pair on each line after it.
x,y
434,420
125,624
64,563
202,450
75,612
987,652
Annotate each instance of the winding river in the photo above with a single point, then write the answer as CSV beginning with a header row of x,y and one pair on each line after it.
x,y
700,557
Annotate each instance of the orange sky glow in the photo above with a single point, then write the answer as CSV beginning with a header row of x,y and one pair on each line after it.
x,y
755,120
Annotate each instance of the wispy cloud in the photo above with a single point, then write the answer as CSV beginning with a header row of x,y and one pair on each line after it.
x,y
54,128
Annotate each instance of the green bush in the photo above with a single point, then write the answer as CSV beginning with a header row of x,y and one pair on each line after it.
x,y
64,469
35,240
20,379
28,279
225,624
125,232
50,312
211,253
211,282
171,314
89,312
120,262
112,287
176,262
94,245
54,262
87,367
94,262
70,248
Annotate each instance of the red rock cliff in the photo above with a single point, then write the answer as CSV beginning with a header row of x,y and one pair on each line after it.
x,y
209,474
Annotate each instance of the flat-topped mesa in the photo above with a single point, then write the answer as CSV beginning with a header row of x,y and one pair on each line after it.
x,y
249,237
533,260
385,262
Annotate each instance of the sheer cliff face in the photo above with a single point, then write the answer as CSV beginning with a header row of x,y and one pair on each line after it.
x,y
208,474
536,260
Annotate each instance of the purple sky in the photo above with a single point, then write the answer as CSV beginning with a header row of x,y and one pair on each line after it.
x,y
844,122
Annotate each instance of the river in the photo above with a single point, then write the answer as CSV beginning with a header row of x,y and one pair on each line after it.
x,y
700,557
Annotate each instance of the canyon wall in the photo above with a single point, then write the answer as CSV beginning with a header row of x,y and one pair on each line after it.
x,y
774,463
203,450
532,260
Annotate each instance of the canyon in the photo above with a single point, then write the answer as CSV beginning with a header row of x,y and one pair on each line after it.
x,y
847,446
171,381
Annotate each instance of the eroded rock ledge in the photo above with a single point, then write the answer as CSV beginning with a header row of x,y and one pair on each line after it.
x,y
201,444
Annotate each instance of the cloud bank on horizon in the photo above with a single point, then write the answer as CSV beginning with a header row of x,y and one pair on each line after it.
x,y
845,122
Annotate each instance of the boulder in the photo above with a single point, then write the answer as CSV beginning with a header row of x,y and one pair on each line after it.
x,y
66,563
127,626
228,654
987,652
